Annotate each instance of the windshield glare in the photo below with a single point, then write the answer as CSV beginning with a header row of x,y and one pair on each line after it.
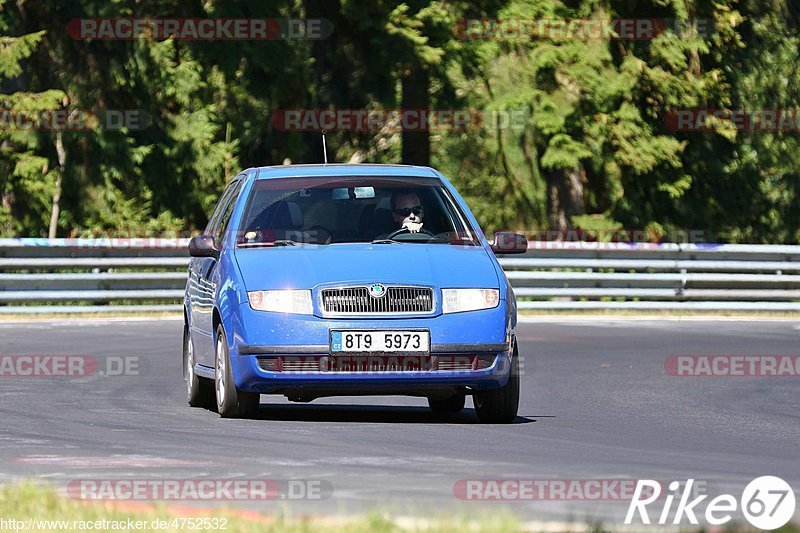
x,y
292,211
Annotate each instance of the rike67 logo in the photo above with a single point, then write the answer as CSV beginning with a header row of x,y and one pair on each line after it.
x,y
767,502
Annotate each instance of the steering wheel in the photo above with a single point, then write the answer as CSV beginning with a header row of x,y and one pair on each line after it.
x,y
323,235
404,229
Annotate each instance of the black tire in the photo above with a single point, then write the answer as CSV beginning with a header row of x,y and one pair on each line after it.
x,y
231,402
451,404
499,406
199,390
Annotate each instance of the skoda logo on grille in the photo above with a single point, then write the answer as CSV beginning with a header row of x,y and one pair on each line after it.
x,y
376,290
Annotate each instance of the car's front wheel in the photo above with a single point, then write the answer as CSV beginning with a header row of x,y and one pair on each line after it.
x,y
451,404
499,406
199,391
231,402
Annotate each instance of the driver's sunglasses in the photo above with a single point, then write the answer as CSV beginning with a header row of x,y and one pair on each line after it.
x,y
417,210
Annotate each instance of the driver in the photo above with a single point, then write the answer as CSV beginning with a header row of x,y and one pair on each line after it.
x,y
407,210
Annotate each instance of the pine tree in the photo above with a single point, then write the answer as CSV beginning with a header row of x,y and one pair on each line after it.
x,y
29,181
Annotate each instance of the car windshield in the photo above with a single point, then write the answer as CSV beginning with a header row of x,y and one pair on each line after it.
x,y
333,210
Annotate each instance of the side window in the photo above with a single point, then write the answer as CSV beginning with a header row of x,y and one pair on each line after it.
x,y
227,211
213,221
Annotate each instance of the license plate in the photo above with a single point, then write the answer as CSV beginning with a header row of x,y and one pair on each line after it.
x,y
383,341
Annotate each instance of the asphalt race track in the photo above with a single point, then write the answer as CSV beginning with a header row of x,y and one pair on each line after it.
x,y
597,404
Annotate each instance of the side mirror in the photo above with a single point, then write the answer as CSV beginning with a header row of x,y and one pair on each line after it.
x,y
506,242
203,246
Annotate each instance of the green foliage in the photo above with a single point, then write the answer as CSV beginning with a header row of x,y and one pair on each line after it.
x,y
14,49
599,227
594,112
564,152
26,177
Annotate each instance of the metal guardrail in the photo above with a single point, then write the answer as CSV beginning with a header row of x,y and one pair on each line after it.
x,y
110,275
148,275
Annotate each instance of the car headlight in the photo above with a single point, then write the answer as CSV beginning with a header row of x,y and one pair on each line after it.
x,y
282,301
458,300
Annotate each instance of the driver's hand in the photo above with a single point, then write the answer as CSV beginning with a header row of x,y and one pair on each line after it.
x,y
413,227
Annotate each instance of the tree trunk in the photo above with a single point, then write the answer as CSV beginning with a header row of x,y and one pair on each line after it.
x,y
564,197
416,142
7,201
62,159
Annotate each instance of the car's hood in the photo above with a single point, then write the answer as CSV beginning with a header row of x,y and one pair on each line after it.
x,y
304,267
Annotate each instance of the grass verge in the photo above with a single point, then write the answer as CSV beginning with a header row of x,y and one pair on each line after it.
x,y
38,507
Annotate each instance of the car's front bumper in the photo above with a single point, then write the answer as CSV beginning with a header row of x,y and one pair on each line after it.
x,y
310,384
260,335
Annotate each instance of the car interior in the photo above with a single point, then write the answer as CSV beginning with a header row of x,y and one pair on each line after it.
x,y
326,215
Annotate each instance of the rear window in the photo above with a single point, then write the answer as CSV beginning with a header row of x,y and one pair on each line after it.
x,y
352,209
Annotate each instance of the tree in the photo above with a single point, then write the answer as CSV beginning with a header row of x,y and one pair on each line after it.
x,y
593,148
29,185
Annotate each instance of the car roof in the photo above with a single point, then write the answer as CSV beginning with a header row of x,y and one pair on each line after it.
x,y
341,169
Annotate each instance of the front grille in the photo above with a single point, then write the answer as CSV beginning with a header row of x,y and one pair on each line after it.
x,y
397,300
375,363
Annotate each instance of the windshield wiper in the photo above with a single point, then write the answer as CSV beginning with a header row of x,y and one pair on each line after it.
x,y
385,241
283,242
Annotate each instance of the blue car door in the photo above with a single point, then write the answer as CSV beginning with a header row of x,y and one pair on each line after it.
x,y
202,288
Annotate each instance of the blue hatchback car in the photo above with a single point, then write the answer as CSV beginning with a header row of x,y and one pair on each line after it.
x,y
326,280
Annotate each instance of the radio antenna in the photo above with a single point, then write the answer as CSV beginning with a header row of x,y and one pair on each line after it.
x,y
324,149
